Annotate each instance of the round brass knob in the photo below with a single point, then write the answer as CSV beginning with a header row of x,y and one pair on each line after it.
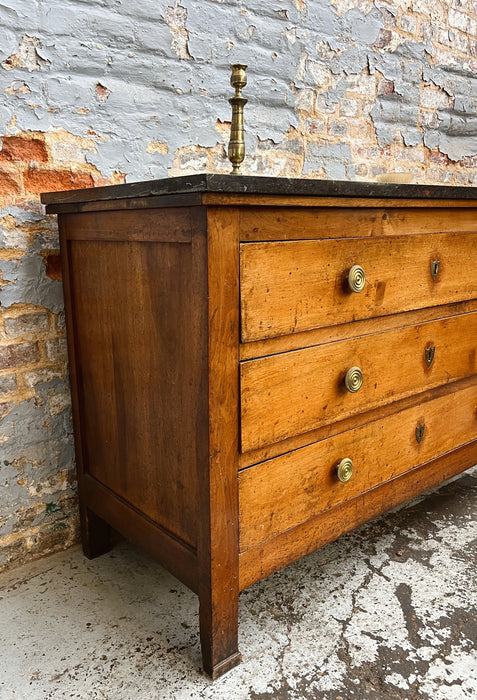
x,y
345,470
356,278
353,379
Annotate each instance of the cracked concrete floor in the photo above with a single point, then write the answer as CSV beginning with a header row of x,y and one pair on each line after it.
x,y
388,611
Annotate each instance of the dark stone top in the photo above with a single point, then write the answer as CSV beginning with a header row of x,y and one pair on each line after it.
x,y
245,184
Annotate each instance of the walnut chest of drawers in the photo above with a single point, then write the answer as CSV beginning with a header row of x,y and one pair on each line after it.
x,y
258,365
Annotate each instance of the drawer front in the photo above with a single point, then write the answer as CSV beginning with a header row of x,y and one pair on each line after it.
x,y
288,490
292,286
290,393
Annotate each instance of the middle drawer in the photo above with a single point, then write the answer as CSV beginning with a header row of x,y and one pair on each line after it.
x,y
290,393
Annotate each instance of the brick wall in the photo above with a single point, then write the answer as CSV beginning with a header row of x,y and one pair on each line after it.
x,y
106,91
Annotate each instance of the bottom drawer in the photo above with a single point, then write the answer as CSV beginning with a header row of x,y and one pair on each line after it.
x,y
288,490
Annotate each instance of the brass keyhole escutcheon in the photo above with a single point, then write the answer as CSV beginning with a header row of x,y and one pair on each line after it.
x,y
420,431
435,267
353,379
429,355
345,470
356,278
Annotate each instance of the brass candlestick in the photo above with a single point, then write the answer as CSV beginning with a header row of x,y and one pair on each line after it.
x,y
236,151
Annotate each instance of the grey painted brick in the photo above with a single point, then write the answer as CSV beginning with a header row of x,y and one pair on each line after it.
x,y
26,323
337,128
452,130
467,104
46,229
29,284
8,382
151,10
60,319
334,159
349,108
28,436
289,145
452,79
109,28
361,28
456,124
40,376
56,349
38,445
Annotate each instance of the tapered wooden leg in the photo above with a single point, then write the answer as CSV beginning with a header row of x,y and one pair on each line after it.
x,y
219,634
95,534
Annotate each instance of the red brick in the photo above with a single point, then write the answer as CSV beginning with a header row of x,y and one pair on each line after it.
x,y
19,354
8,184
384,39
102,92
385,87
469,162
18,148
26,323
438,158
54,180
52,261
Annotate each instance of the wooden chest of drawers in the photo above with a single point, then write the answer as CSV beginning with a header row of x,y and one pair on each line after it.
x,y
258,365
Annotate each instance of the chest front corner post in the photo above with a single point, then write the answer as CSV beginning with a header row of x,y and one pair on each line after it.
x,y
219,585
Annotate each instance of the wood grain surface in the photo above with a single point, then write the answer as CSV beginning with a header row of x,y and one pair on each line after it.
x,y
219,521
345,221
341,331
138,348
305,201
176,224
291,393
131,522
292,286
259,562
283,492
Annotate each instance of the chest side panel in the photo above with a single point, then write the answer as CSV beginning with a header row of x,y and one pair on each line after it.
x,y
137,293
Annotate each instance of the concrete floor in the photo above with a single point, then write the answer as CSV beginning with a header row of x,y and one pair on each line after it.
x,y
388,611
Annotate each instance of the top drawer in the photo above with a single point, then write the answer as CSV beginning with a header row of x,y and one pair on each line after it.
x,y
292,286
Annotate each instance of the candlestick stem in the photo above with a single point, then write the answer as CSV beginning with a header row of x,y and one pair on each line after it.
x,y
236,151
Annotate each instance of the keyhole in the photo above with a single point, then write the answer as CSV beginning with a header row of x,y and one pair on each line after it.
x,y
435,267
